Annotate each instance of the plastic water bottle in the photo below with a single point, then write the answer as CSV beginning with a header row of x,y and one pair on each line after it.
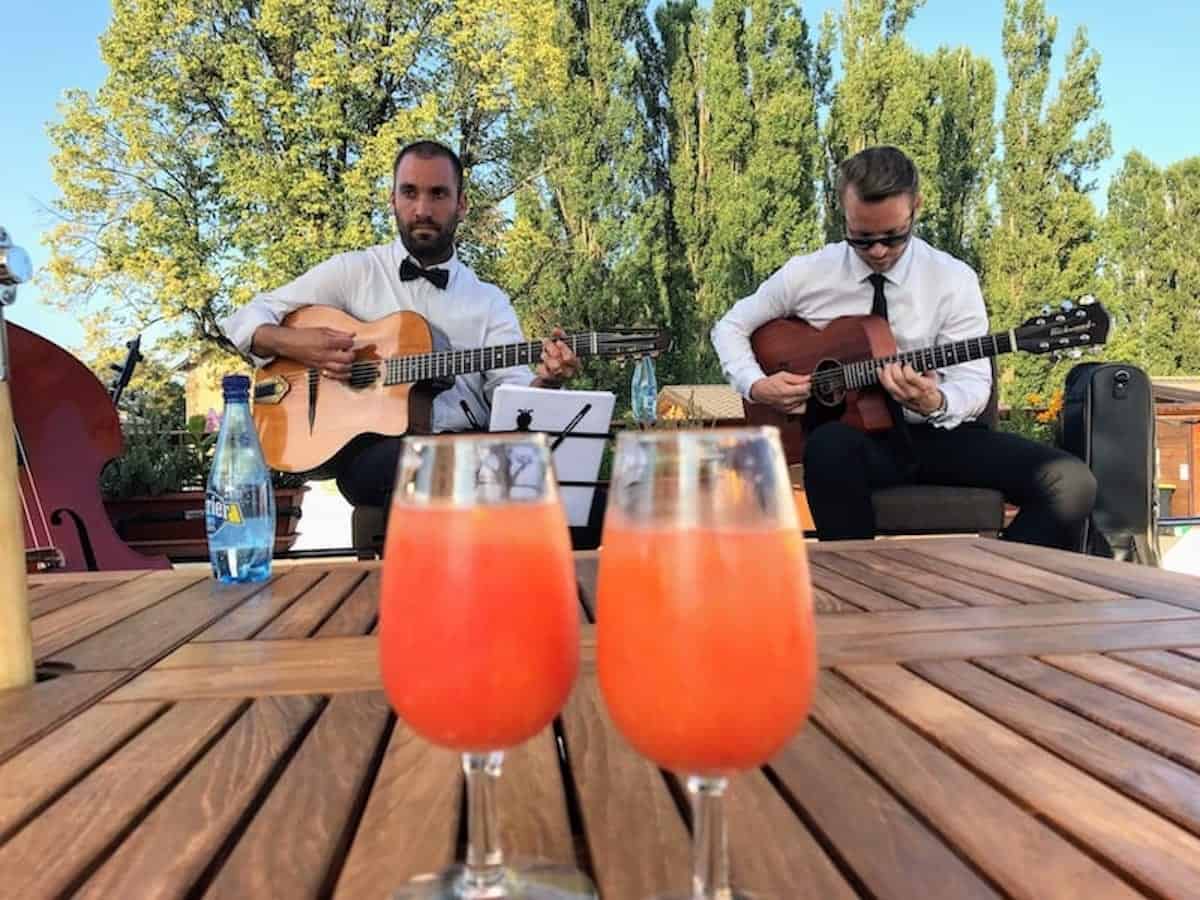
x,y
239,506
644,392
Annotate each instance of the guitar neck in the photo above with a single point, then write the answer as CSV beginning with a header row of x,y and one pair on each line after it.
x,y
865,373
449,363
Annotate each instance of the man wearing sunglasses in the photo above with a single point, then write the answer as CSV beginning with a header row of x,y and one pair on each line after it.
x,y
928,298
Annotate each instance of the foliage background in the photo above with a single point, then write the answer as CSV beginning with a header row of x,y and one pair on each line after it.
x,y
627,164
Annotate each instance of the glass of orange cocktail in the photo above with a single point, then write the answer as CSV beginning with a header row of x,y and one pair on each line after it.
x,y
705,644
479,630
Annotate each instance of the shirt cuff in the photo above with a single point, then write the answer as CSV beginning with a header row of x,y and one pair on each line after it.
x,y
956,402
240,328
744,378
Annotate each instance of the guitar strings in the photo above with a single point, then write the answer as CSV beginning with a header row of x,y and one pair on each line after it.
x,y
429,360
830,376
373,366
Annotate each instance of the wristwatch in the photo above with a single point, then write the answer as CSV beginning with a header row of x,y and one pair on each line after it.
x,y
939,414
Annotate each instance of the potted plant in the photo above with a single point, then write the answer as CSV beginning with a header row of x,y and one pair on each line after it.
x,y
154,491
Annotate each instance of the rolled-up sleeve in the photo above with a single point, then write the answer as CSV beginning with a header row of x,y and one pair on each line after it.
x,y
324,284
967,386
731,334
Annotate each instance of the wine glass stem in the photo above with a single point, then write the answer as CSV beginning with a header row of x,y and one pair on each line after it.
x,y
484,875
710,856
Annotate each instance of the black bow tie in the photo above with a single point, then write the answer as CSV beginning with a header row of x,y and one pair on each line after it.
x,y
409,271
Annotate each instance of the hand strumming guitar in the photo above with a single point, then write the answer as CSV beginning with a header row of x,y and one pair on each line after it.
x,y
559,362
326,349
784,391
918,392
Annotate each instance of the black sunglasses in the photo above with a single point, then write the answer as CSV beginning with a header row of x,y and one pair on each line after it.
x,y
888,240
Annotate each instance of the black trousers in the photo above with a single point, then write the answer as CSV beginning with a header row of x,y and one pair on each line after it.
x,y
842,466
366,469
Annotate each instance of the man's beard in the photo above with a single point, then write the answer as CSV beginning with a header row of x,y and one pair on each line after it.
x,y
428,250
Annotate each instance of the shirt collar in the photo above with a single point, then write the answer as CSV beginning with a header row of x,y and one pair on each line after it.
x,y
897,274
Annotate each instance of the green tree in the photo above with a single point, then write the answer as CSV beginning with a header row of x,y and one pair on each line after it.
x,y
587,247
936,107
234,145
1043,245
744,82
1151,275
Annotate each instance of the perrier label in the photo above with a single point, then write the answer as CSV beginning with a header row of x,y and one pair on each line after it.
x,y
218,511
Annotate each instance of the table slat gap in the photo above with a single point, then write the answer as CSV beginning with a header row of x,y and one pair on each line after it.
x,y
878,837
263,607
40,774
851,591
57,851
179,839
863,569
962,574
1157,731
411,819
1155,853
310,807
895,564
980,556
1028,858
1162,786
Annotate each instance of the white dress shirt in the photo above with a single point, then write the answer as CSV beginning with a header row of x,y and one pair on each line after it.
x,y
932,299
468,314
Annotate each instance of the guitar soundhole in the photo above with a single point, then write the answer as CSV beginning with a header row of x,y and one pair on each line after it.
x,y
829,383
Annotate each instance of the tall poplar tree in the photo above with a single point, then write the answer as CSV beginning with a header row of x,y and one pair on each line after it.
x,y
1151,274
1043,246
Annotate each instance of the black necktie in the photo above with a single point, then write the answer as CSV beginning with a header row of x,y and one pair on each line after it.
x,y
409,271
900,438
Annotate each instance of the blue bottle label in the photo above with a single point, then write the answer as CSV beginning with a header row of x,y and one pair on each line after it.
x,y
218,511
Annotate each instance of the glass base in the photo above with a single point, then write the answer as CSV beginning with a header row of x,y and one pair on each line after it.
x,y
522,881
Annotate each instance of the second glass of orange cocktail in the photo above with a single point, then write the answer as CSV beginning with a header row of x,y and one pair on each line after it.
x,y
706,650
479,630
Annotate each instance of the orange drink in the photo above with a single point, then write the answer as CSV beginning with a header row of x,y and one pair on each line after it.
x,y
479,621
705,644
479,633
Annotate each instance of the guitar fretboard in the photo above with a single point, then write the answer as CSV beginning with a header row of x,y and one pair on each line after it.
x,y
449,363
865,372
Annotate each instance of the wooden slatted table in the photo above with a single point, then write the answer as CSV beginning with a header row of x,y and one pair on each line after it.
x,y
992,720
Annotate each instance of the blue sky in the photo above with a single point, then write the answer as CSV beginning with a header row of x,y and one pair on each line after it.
x,y
1149,53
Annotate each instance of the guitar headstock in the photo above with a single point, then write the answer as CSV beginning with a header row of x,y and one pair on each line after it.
x,y
621,342
1071,326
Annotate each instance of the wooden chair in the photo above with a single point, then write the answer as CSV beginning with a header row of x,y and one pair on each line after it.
x,y
943,509
934,508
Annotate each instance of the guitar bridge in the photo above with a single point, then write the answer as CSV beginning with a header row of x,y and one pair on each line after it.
x,y
271,390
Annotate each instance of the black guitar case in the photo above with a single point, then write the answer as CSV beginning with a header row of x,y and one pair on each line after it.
x,y
1108,422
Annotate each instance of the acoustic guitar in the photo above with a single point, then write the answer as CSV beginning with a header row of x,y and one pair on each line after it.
x,y
304,418
845,357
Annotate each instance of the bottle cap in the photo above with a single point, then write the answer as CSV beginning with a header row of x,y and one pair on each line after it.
x,y
235,387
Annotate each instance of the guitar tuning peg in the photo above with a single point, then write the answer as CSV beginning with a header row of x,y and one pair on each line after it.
x,y
1087,299
1076,353
1067,305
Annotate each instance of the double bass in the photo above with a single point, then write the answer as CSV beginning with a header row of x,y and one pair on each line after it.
x,y
67,429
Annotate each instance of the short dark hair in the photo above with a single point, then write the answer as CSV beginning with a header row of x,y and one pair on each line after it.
x,y
430,150
878,173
